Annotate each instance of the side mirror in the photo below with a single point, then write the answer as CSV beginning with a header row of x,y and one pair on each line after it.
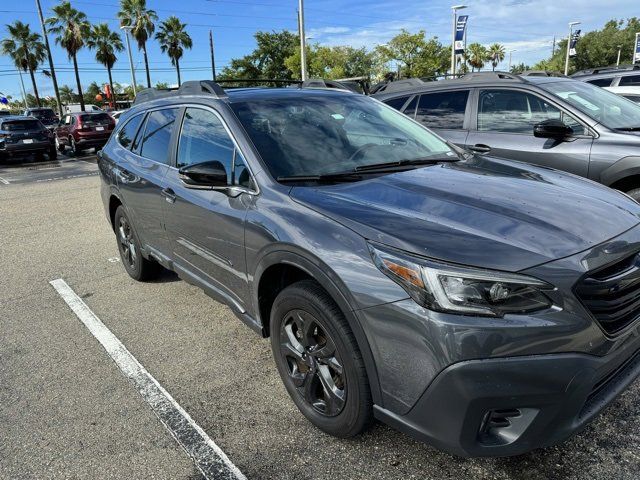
x,y
204,175
552,129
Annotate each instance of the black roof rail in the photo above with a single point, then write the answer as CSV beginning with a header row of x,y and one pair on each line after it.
x,y
483,76
322,83
398,85
542,73
192,87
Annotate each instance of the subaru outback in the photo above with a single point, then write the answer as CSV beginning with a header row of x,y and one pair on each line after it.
x,y
485,306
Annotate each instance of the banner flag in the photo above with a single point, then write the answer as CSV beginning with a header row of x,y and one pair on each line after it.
x,y
461,31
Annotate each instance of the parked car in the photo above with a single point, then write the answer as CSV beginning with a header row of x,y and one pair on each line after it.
x,y
76,108
20,135
80,131
615,76
550,121
630,93
486,306
116,114
46,115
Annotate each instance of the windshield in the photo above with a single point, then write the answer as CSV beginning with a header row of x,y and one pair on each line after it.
x,y
17,125
43,114
93,118
326,134
607,108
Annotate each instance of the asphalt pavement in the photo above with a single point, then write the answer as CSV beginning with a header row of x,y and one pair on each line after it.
x,y
67,410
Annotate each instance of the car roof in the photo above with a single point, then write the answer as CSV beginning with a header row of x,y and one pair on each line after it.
x,y
18,117
244,94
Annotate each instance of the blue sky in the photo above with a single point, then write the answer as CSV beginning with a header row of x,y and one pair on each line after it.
x,y
528,26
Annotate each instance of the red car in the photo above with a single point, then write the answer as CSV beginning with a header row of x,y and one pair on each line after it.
x,y
83,130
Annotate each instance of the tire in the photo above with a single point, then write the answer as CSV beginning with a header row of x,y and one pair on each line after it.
x,y
306,307
53,153
74,146
138,267
635,194
60,146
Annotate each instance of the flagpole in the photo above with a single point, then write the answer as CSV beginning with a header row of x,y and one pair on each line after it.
x,y
566,62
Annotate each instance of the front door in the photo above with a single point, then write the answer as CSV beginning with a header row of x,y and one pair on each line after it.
x,y
505,120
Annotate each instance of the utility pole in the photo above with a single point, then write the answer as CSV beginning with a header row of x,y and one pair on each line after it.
x,y
51,68
213,58
619,51
566,62
553,48
127,29
510,52
303,41
24,92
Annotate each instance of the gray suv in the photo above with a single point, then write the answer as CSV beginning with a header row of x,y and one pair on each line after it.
x,y
550,121
485,306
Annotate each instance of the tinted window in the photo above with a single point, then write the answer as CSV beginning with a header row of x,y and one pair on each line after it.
x,y
127,134
204,139
513,111
629,80
157,135
601,82
410,110
43,113
397,103
633,98
21,125
443,109
95,118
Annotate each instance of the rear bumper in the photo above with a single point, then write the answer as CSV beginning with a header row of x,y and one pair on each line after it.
x,y
89,142
22,148
551,396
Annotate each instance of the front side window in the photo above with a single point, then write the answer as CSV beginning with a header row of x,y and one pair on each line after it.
x,y
397,103
127,134
157,135
442,109
514,111
318,134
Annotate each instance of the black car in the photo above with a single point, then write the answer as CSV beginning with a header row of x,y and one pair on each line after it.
x,y
46,115
21,135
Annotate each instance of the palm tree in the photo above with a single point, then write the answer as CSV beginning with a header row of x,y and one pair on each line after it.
x,y
70,27
106,43
173,40
476,56
25,49
66,94
496,54
134,13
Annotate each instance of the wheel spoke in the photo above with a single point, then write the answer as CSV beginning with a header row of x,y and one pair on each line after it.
x,y
294,341
333,396
289,350
326,350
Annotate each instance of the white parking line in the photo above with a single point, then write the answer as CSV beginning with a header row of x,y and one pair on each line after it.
x,y
207,456
4,181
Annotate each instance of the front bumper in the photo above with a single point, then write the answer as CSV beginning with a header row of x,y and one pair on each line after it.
x,y
544,399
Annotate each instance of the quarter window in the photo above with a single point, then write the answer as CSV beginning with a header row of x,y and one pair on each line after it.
x,y
512,111
127,134
601,82
629,80
157,135
443,109
397,103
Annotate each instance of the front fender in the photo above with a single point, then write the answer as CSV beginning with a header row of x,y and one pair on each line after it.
x,y
623,168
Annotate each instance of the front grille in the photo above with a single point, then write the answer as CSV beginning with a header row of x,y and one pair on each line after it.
x,y
612,293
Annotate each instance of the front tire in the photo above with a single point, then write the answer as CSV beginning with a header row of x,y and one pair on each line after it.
x,y
138,267
53,153
319,361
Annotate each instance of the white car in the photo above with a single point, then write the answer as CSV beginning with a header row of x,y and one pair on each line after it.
x,y
75,108
632,92
116,114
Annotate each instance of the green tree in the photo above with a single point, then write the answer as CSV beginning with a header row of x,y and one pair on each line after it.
x,y
519,68
134,13
70,27
106,43
162,85
417,55
476,56
173,39
496,54
66,94
267,60
26,50
335,62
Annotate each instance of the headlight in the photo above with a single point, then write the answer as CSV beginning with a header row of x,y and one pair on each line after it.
x,y
449,288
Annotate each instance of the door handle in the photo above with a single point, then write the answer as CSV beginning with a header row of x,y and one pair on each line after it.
x,y
480,148
125,175
169,195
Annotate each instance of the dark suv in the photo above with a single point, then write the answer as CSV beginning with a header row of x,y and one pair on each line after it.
x,y
484,306
23,136
46,115
550,121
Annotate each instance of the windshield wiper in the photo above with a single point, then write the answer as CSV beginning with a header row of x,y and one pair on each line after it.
x,y
328,177
405,163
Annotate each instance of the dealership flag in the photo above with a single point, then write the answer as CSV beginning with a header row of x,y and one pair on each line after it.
x,y
461,30
636,52
574,40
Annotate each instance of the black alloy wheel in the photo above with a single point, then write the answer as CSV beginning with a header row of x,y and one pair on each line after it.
x,y
137,266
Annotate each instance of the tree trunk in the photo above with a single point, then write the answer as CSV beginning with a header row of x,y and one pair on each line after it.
x,y
146,64
75,67
178,70
35,89
114,105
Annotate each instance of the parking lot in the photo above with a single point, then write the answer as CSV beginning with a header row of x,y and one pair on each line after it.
x,y
67,411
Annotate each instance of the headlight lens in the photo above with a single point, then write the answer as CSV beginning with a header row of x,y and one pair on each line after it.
x,y
448,288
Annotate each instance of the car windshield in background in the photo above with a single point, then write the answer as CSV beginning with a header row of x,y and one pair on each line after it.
x,y
95,118
607,108
44,114
324,135
20,125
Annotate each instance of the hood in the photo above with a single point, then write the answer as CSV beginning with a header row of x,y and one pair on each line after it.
x,y
481,212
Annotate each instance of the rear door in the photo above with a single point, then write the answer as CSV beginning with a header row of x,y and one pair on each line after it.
x,y
504,121
445,112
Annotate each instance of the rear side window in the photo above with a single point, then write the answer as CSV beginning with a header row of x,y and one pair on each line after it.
x,y
629,80
397,103
157,135
443,109
127,134
21,125
601,82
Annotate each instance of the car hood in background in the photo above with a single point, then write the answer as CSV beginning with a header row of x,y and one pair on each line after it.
x,y
483,212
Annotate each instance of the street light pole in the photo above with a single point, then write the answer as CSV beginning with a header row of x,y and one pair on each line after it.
x,y
619,51
24,93
51,68
454,9
213,58
510,52
303,41
566,62
127,29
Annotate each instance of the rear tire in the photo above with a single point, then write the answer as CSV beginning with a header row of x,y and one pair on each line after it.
x,y
319,361
60,146
74,147
635,194
53,153
138,267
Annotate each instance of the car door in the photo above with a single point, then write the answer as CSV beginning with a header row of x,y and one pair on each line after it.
x,y
206,227
63,129
444,112
141,169
504,123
